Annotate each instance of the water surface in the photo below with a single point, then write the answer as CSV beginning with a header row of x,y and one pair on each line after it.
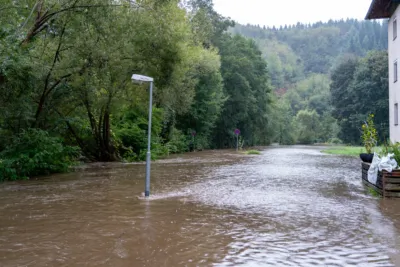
x,y
290,206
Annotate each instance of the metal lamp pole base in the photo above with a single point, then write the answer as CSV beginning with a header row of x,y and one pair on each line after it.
x,y
147,186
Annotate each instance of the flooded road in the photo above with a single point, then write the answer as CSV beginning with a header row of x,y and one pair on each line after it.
x,y
290,206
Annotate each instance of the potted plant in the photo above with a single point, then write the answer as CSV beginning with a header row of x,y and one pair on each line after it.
x,y
369,137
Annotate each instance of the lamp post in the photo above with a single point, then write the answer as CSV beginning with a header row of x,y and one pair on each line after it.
x,y
141,78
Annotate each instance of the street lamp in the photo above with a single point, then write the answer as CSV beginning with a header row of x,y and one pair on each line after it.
x,y
141,78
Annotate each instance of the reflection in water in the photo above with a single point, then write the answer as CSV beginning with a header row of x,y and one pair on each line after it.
x,y
287,207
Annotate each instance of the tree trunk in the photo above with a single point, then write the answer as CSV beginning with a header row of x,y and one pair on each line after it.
x,y
38,23
108,152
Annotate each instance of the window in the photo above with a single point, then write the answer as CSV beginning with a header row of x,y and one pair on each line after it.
x,y
396,114
395,71
394,29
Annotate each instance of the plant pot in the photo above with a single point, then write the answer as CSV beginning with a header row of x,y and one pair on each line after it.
x,y
366,157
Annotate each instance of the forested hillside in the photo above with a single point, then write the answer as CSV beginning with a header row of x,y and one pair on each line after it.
x,y
301,61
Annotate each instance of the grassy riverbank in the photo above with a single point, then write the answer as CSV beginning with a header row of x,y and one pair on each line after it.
x,y
252,152
345,150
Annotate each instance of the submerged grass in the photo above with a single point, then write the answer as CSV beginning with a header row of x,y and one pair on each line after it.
x,y
373,192
345,150
253,152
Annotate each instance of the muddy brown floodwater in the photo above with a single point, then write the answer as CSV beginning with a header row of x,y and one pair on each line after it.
x,y
291,206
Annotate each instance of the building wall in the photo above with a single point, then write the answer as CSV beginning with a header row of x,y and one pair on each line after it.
x,y
394,87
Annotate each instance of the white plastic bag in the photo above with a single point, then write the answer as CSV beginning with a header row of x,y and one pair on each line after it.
x,y
388,163
373,169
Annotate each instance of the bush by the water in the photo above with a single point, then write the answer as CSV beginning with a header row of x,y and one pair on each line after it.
x,y
253,152
35,152
178,142
335,141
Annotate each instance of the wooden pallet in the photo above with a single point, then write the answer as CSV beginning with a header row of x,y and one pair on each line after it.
x,y
388,184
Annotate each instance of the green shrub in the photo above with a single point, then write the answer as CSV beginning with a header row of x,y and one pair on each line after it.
x,y
34,152
129,155
158,149
201,142
396,151
178,142
389,148
253,152
287,138
131,134
335,141
373,192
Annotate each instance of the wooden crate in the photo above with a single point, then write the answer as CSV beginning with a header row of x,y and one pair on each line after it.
x,y
388,184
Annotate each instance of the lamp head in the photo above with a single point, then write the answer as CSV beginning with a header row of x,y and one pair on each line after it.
x,y
141,78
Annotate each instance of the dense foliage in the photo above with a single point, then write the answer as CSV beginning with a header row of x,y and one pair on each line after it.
x,y
359,88
304,59
65,82
34,152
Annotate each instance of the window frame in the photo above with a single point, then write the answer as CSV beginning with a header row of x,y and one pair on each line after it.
x,y
394,29
395,71
396,114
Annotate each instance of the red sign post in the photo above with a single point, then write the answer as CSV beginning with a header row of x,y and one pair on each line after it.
x,y
237,132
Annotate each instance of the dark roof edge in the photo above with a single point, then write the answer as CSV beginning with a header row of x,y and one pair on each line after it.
x,y
371,7
382,9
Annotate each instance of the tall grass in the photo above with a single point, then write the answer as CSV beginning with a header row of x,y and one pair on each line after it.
x,y
345,150
253,152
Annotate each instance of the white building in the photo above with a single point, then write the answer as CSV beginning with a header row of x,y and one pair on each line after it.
x,y
390,9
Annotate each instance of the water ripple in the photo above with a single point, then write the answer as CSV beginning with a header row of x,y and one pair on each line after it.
x,y
290,206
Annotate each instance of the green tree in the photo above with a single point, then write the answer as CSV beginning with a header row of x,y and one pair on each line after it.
x,y
208,99
308,126
284,126
246,86
360,87
342,98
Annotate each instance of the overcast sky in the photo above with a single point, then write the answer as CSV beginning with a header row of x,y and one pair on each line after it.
x,y
281,12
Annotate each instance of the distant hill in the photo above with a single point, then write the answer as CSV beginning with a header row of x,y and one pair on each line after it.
x,y
301,60
294,52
